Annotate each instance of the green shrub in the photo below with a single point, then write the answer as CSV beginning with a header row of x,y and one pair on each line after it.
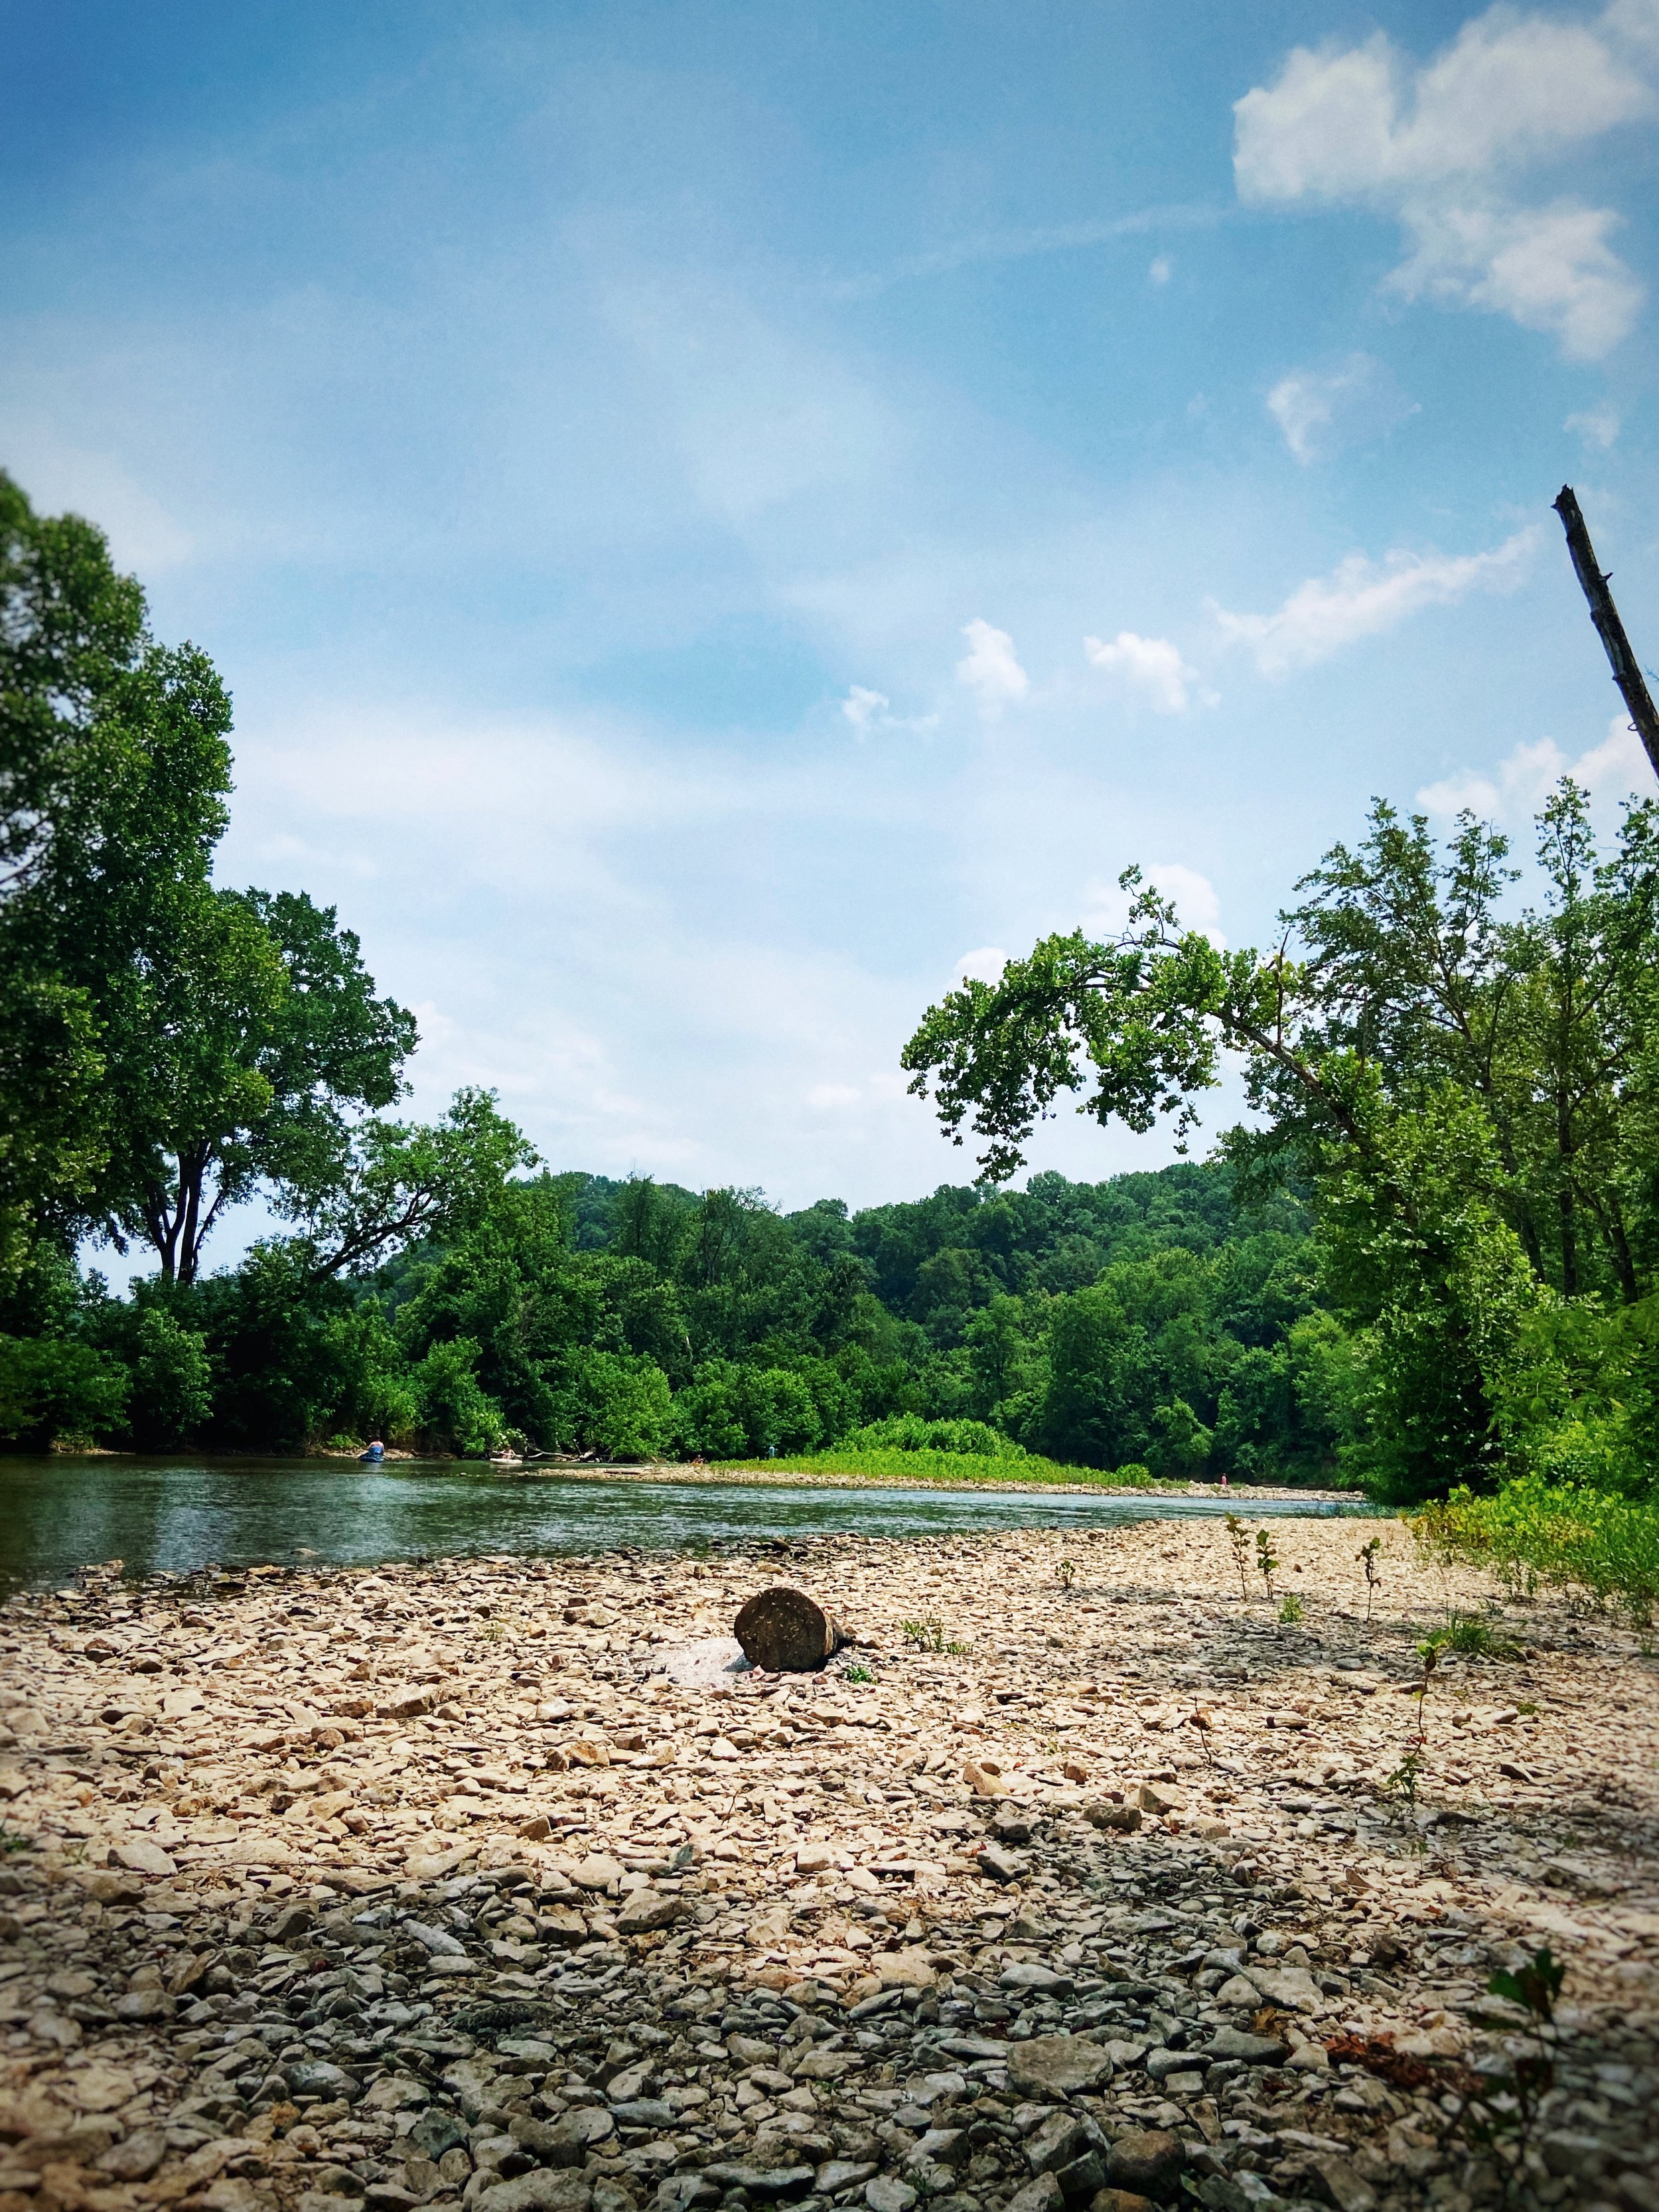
x,y
1558,1534
56,1385
909,1433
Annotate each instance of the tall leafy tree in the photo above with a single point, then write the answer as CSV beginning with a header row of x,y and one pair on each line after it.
x,y
198,1043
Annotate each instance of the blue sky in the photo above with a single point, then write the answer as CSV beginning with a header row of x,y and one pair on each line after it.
x,y
714,517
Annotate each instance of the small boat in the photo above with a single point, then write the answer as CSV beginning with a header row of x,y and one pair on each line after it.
x,y
375,1454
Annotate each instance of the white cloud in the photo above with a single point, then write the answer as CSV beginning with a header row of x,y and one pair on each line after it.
x,y
826,1097
1442,145
1163,267
990,667
862,707
1362,597
1597,426
871,711
1523,780
1318,412
985,965
1150,665
1547,269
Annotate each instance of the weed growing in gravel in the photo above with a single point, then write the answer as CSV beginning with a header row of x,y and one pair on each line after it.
x,y
929,1635
1238,1536
1429,1653
1475,1639
857,1673
1402,1785
1267,1560
1290,1609
1067,1570
1498,2113
1368,1556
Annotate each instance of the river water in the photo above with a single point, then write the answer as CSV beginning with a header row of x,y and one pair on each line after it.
x,y
177,1515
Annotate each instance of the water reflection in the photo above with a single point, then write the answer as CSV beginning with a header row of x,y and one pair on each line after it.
x,y
57,1514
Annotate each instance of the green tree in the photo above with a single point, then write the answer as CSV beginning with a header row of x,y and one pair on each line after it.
x,y
1349,1055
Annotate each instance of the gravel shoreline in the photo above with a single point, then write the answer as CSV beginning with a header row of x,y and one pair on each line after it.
x,y
427,1885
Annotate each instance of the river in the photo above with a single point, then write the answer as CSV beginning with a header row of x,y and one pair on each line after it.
x,y
176,1515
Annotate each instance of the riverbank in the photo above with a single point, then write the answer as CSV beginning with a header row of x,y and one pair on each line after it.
x,y
424,1885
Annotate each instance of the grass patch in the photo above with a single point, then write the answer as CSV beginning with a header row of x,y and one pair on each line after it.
x,y
1555,1535
879,1465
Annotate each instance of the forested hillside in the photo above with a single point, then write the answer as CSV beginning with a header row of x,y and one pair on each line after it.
x,y
1135,1320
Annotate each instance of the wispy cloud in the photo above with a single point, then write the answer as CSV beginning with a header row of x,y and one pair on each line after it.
x,y
871,714
1318,411
1362,597
1443,146
1597,426
991,669
1018,244
1151,667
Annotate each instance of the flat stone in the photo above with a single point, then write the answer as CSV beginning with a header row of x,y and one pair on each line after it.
x,y
838,2173
143,1856
1043,1981
1057,2065
543,2191
1254,2050
647,1909
770,2180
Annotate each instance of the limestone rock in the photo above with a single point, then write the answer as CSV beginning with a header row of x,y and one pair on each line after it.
x,y
1057,2065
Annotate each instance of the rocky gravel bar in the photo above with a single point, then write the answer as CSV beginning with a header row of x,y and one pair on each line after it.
x,y
1080,1878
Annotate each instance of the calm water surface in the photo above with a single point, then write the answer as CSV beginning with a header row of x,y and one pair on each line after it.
x,y
57,1514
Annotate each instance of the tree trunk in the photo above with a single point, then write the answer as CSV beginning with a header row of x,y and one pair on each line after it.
x,y
1626,670
783,1631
